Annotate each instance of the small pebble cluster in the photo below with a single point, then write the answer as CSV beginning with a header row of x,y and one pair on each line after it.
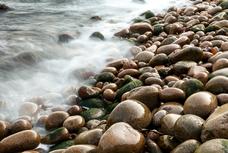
x,y
171,96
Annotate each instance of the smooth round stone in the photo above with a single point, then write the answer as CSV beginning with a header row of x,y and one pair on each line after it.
x,y
56,119
140,28
158,59
110,69
58,151
220,72
186,54
29,109
89,137
217,85
213,146
188,127
149,95
154,81
109,94
21,141
168,122
89,92
153,147
217,56
183,40
117,63
56,136
224,46
156,120
121,138
74,110
172,107
201,104
73,123
172,94
20,125
84,148
222,98
93,113
219,64
167,49
131,72
191,86
216,125
132,112
91,124
182,67
196,70
188,146
144,56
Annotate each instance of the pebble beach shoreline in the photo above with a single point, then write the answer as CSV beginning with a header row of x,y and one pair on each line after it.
x,y
171,96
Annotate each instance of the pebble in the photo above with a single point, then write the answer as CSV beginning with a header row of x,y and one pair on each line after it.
x,y
121,138
212,146
56,119
73,123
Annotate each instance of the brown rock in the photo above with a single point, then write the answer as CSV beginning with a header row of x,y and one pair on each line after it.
x,y
140,28
188,146
121,138
56,119
172,94
73,123
89,137
80,149
167,49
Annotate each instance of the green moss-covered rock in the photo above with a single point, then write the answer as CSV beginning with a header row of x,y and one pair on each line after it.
x,y
93,113
62,145
92,103
56,136
105,77
198,27
158,28
213,146
191,86
148,14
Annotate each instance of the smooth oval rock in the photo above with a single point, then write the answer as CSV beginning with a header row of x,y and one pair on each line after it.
x,y
56,119
217,85
188,127
168,122
222,98
144,56
140,28
158,59
172,107
148,95
167,49
216,125
188,146
89,137
73,123
21,141
56,136
132,112
172,94
121,138
20,125
201,104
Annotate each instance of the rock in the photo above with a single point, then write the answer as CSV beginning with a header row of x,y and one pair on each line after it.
x,y
172,107
217,56
188,146
224,46
132,112
212,146
148,14
198,27
156,120
28,108
142,38
89,137
122,33
56,119
216,125
20,125
172,94
56,136
92,103
21,141
117,63
174,28
148,95
188,127
158,28
168,40
167,49
97,36
74,110
58,151
201,104
220,72
93,113
140,28
217,85
130,72
144,56
134,83
191,86
222,98
182,41
168,122
4,8
121,138
182,67
64,38
220,64
186,54
85,92
154,81
80,149
153,147
96,18
109,94
105,77
74,123
159,59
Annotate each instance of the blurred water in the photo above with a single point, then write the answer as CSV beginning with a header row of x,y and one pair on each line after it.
x,y
33,63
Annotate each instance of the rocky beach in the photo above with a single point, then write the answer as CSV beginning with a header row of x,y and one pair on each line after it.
x,y
168,94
